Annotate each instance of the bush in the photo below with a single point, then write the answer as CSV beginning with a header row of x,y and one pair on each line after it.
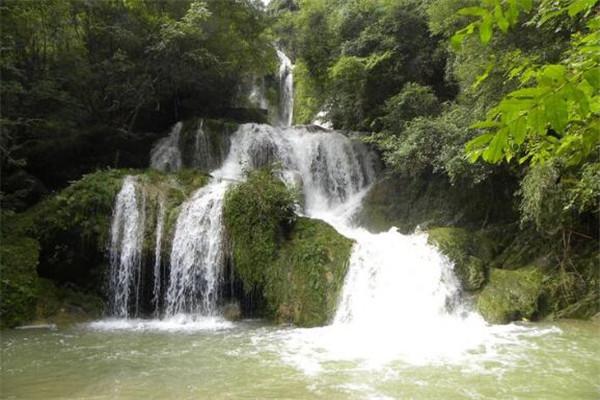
x,y
257,213
18,279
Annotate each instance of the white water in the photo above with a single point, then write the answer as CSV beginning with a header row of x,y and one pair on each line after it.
x,y
197,256
157,276
166,155
400,299
127,232
329,166
286,90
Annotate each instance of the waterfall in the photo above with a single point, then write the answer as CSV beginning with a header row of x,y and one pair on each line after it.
x,y
257,94
166,155
286,89
392,278
157,276
127,232
197,256
328,165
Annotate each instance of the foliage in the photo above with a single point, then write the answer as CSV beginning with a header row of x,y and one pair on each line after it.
x,y
431,144
257,213
296,263
413,101
555,112
88,79
357,54
18,283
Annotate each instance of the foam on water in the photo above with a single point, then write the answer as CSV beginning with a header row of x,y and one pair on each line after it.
x,y
400,303
176,323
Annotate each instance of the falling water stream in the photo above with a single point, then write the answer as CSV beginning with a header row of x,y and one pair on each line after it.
x,y
401,329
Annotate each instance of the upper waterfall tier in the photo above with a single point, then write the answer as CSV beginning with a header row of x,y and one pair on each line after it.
x,y
327,166
286,90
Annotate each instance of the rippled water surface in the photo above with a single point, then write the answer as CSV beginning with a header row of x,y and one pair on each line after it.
x,y
214,359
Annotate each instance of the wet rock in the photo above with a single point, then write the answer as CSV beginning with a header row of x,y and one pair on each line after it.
x,y
232,311
510,295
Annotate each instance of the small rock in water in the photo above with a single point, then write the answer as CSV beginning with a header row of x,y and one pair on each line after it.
x,y
232,311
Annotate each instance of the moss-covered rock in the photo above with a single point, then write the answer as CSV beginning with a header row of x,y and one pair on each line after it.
x,y
258,214
18,279
65,305
427,201
73,226
304,283
468,251
65,237
511,295
298,265
205,143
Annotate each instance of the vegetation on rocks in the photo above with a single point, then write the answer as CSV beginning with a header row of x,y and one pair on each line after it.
x,y
64,240
19,257
510,295
469,253
486,120
298,264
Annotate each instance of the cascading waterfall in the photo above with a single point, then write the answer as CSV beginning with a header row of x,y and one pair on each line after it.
x,y
166,154
127,232
157,276
400,296
286,89
392,278
197,256
329,166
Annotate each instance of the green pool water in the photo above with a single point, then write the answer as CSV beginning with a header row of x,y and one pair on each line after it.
x,y
253,360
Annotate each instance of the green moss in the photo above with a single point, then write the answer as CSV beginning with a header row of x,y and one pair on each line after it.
x,y
64,306
210,152
511,295
257,214
468,251
18,279
83,206
304,282
298,265
430,200
307,96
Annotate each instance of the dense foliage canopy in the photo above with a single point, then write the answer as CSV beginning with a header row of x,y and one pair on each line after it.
x,y
83,80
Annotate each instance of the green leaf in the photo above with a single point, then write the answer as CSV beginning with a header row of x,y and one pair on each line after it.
x,y
494,152
481,78
500,19
518,130
527,93
485,124
578,6
479,141
554,72
556,111
486,29
593,77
